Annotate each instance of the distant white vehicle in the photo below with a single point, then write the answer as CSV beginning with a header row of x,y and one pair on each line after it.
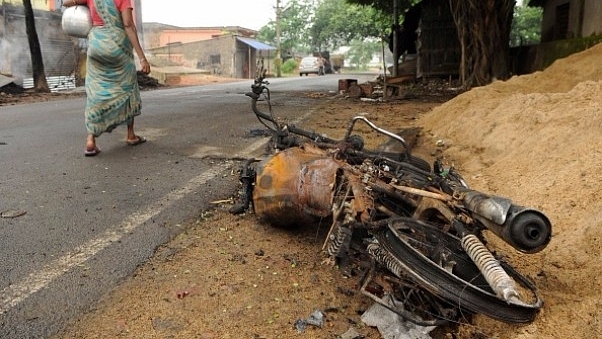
x,y
311,65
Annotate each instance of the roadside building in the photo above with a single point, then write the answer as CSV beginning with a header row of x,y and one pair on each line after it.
x,y
227,51
227,55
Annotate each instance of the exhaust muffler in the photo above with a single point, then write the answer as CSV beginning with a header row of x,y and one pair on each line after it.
x,y
526,229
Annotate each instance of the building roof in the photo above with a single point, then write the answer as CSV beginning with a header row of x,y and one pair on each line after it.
x,y
258,45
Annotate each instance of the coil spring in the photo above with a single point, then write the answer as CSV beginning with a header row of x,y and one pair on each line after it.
x,y
385,258
339,241
340,238
498,279
348,213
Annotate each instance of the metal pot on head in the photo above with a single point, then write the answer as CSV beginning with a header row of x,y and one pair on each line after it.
x,y
77,21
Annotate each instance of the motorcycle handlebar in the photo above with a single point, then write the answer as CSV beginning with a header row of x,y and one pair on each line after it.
x,y
254,97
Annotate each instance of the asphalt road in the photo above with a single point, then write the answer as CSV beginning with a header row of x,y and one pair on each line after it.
x,y
74,227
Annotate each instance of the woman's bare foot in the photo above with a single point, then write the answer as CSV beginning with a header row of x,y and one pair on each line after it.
x,y
91,148
90,142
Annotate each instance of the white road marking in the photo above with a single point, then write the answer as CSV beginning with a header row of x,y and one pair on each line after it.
x,y
14,294
246,153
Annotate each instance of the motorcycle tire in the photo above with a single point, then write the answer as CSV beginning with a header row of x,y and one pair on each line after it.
x,y
412,241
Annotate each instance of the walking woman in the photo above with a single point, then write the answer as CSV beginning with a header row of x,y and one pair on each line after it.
x,y
113,96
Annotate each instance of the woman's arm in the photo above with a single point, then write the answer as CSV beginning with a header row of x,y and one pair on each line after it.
x,y
71,3
132,33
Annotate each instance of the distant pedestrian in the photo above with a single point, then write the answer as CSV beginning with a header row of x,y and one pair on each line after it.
x,y
320,65
113,96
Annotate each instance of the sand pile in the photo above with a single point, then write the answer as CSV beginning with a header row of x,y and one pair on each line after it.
x,y
537,139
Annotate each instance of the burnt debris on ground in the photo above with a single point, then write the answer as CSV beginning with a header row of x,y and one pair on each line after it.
x,y
433,89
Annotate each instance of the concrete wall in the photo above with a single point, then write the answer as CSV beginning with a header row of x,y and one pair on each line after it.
x,y
215,55
584,19
224,55
592,21
161,35
528,59
187,35
46,5
59,51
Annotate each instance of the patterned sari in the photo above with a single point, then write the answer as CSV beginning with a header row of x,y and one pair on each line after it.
x,y
111,77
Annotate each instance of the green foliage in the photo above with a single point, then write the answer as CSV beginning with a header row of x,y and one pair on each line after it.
x,y
309,26
526,25
361,52
267,33
295,22
337,23
289,66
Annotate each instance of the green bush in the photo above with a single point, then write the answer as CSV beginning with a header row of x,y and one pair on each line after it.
x,y
289,66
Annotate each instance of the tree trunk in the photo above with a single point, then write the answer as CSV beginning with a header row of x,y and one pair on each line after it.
x,y
37,63
484,34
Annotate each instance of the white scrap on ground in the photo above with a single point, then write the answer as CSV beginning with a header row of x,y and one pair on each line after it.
x,y
392,326
5,80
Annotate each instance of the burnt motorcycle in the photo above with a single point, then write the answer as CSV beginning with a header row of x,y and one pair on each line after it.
x,y
415,235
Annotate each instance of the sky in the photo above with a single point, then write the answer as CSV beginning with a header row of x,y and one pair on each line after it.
x,y
252,14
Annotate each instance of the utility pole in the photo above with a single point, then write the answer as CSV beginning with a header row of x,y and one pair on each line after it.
x,y
278,51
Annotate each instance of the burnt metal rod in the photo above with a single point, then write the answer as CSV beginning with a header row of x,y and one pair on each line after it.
x,y
380,130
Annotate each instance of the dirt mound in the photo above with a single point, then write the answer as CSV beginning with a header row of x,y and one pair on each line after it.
x,y
536,138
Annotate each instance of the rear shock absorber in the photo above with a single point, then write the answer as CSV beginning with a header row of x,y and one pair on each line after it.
x,y
501,283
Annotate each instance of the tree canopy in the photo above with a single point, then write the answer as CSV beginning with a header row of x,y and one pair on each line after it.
x,y
526,25
337,23
294,21
326,25
483,28
483,31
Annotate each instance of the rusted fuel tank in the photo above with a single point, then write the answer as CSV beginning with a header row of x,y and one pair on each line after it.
x,y
295,186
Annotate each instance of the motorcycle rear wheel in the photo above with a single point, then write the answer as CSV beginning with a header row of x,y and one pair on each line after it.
x,y
417,245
